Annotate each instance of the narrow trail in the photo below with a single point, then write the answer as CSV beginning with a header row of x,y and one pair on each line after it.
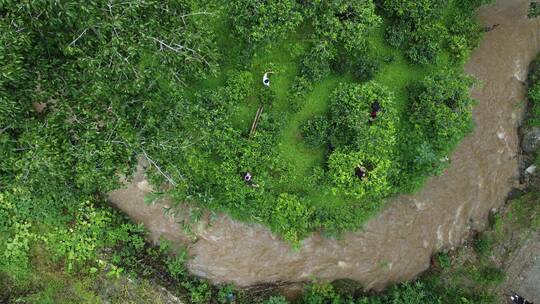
x,y
397,244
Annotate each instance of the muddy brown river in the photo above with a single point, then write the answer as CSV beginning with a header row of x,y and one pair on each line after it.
x,y
397,244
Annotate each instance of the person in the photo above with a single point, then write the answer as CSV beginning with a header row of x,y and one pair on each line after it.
x,y
266,78
517,299
247,177
360,172
375,109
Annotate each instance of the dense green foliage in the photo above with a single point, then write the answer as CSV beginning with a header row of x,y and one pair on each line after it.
x,y
425,29
533,93
440,115
460,278
534,10
86,87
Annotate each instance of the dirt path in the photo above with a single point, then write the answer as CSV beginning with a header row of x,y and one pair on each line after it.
x,y
397,244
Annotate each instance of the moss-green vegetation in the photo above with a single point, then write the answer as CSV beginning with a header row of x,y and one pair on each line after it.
x,y
534,9
118,267
533,93
87,87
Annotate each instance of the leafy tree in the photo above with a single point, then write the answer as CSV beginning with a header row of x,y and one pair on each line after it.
x,y
441,109
344,21
262,21
425,30
350,118
440,114
340,29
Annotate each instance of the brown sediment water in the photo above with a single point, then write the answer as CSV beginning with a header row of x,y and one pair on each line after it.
x,y
397,244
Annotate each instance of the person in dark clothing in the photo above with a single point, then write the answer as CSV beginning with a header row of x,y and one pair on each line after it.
x,y
375,109
517,299
360,172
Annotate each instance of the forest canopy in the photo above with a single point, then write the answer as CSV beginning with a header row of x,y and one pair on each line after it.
x,y
366,100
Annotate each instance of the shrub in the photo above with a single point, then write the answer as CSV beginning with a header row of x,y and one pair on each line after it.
x,y
277,300
444,260
176,265
533,93
396,36
534,9
425,31
316,64
483,244
320,294
226,294
487,274
341,168
426,43
350,115
315,131
263,22
464,34
16,237
81,242
414,293
292,218
199,291
441,110
337,25
239,85
360,141
342,22
366,67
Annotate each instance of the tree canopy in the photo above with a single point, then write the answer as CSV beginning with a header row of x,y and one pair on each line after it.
x,y
87,87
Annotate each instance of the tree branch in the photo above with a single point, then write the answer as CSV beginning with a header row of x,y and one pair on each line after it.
x,y
177,48
4,129
153,163
73,42
194,14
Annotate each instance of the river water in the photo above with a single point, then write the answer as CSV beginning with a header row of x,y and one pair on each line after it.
x,y
397,244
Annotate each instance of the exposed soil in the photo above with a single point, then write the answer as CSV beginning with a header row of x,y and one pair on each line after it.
x,y
523,270
397,244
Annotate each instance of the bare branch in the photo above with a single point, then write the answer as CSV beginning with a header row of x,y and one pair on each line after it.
x,y
177,48
159,169
73,42
194,14
4,129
